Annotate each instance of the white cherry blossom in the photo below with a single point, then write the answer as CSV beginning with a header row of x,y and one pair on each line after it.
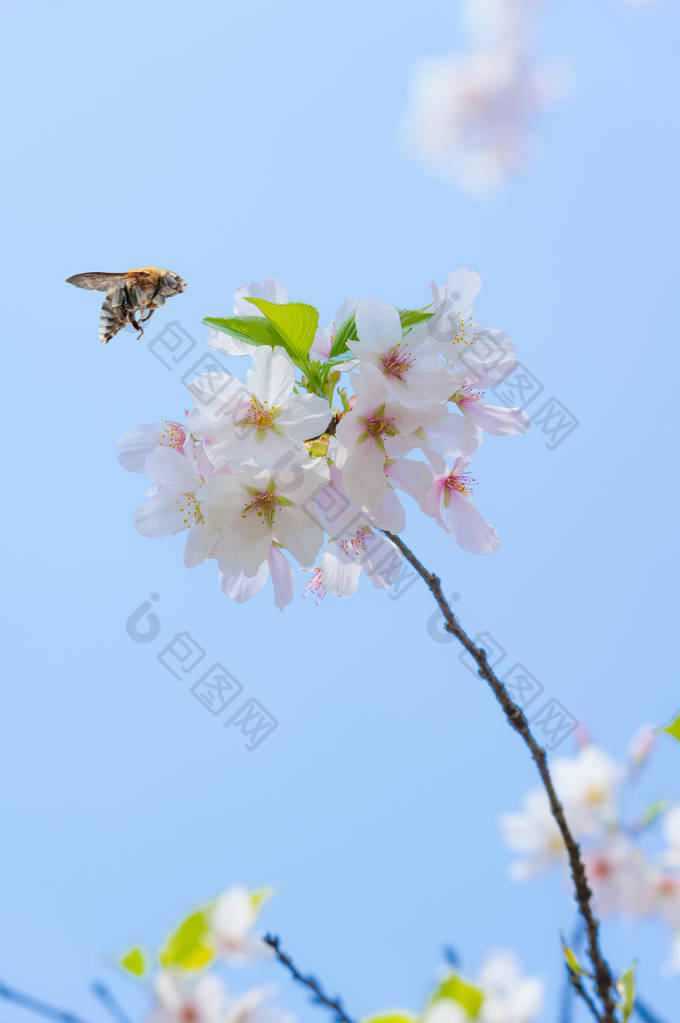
x,y
411,365
255,507
134,446
264,421
175,503
364,437
449,502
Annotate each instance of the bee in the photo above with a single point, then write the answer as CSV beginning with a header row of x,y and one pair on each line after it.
x,y
128,295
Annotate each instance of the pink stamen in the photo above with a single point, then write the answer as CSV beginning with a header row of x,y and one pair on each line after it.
x,y
398,360
315,586
173,435
460,482
356,544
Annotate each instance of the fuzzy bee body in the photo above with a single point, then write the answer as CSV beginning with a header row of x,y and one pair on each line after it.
x,y
128,295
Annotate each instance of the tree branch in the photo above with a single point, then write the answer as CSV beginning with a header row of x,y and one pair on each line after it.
x,y
577,985
35,1005
604,981
318,995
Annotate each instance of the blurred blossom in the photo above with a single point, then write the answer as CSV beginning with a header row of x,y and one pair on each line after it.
x,y
586,785
625,877
179,1000
533,833
671,827
492,21
616,874
470,115
233,916
508,996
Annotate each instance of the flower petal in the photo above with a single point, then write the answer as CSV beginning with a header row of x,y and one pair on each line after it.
x,y
378,326
134,446
200,542
363,478
272,377
283,578
467,526
241,587
339,572
169,468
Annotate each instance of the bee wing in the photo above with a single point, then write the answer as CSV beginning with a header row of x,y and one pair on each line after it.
x,y
95,281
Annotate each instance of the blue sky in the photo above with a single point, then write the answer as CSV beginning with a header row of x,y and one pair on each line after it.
x,y
228,142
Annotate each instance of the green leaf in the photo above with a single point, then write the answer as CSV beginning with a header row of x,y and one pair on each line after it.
x,y
459,990
255,330
259,896
134,961
188,946
294,321
410,317
626,988
391,1016
571,960
348,330
673,729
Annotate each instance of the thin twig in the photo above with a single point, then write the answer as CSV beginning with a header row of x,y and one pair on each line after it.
x,y
567,999
577,985
318,995
109,1002
604,981
35,1005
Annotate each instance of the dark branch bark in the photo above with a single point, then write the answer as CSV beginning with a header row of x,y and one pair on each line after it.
x,y
604,981
318,996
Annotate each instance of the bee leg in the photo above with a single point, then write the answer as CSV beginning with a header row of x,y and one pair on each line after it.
x,y
148,316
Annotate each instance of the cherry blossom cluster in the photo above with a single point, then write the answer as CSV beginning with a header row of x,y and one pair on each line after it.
x,y
629,874
188,986
305,459
470,113
499,994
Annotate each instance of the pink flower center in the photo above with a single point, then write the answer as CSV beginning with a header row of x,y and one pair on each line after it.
x,y
465,396
259,415
460,482
354,546
264,504
378,425
189,1014
601,868
668,885
398,360
173,435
